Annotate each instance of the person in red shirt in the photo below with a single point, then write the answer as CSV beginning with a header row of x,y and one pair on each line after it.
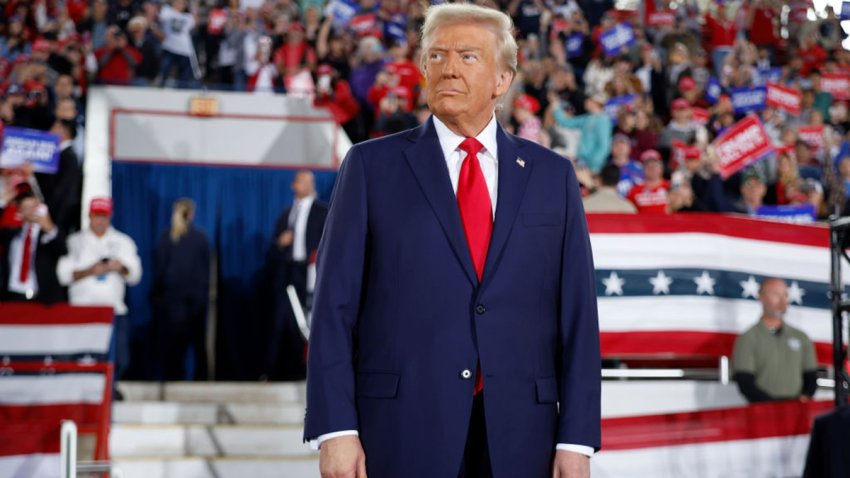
x,y
116,61
651,197
721,32
406,70
295,54
335,94
763,18
811,52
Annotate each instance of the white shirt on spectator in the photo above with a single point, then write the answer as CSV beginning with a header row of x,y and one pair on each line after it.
x,y
84,250
177,27
298,220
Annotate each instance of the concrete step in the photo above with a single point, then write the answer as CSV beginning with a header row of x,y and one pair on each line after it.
x,y
172,441
174,413
144,467
214,392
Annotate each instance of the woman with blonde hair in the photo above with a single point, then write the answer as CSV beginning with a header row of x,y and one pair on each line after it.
x,y
181,293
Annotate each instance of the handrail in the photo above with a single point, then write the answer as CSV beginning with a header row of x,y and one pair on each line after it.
x,y
68,449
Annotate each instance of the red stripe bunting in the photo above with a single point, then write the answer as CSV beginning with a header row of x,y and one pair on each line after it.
x,y
763,420
677,343
60,314
732,226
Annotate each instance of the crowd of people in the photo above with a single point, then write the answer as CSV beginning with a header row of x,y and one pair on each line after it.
x,y
662,96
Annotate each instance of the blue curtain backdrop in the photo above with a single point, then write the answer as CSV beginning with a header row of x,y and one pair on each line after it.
x,y
237,208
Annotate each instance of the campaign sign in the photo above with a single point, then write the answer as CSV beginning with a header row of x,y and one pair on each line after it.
x,y
768,75
616,38
612,107
795,214
397,31
811,135
746,100
342,11
845,11
713,90
784,98
740,145
575,45
836,84
39,148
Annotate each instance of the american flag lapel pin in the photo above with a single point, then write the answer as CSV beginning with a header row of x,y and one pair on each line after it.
x,y
521,162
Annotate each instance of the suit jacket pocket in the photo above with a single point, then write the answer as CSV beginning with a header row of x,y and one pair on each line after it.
x,y
376,385
532,219
547,390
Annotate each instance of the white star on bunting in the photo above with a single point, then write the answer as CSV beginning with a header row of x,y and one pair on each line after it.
x,y
750,288
613,284
705,283
660,283
796,293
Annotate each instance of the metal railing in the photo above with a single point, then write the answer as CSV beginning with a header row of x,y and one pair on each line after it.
x,y
68,456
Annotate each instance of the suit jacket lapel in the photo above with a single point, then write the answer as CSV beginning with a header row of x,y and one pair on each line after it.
x,y
426,160
514,172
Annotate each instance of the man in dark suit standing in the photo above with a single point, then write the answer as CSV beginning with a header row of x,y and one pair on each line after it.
x,y
29,253
296,239
455,327
62,190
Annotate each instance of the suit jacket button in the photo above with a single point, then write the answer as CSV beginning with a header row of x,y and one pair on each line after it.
x,y
465,374
480,309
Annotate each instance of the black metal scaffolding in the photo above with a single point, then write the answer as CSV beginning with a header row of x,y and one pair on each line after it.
x,y
839,242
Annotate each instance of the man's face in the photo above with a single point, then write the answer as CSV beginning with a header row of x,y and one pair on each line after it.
x,y
66,110
463,77
753,191
621,149
653,170
99,223
28,209
64,86
774,298
303,185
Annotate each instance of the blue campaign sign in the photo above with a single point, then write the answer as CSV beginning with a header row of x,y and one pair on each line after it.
x,y
745,100
396,30
575,45
342,11
713,90
39,148
845,11
612,107
768,75
617,37
797,214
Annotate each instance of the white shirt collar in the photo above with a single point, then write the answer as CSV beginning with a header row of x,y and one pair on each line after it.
x,y
449,140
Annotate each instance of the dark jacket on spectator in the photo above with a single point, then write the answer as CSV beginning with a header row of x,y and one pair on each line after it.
x,y
61,191
46,257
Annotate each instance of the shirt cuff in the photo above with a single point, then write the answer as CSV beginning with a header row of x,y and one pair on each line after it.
x,y
317,443
49,236
584,450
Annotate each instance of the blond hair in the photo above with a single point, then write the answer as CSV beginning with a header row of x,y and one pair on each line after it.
x,y
438,16
182,212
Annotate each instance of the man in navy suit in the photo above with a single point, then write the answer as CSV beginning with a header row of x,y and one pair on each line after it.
x,y
455,329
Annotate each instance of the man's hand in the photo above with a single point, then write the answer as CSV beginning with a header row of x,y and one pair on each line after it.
x,y
569,464
342,457
285,239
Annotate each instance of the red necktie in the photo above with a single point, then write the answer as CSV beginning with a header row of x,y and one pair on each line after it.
x,y
476,213
25,260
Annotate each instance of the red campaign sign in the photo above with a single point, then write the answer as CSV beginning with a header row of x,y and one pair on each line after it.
x,y
787,99
664,18
742,144
836,84
366,24
811,135
700,115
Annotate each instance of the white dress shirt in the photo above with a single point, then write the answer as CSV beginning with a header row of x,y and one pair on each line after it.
x,y
488,159
29,287
298,223
84,250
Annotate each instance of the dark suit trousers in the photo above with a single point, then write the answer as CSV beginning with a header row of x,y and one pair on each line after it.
x,y
476,457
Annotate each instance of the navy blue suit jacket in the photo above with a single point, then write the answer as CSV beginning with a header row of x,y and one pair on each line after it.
x,y
399,313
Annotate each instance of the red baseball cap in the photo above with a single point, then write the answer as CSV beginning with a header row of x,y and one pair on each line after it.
x,y
650,155
527,102
324,69
41,45
687,84
101,206
680,104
